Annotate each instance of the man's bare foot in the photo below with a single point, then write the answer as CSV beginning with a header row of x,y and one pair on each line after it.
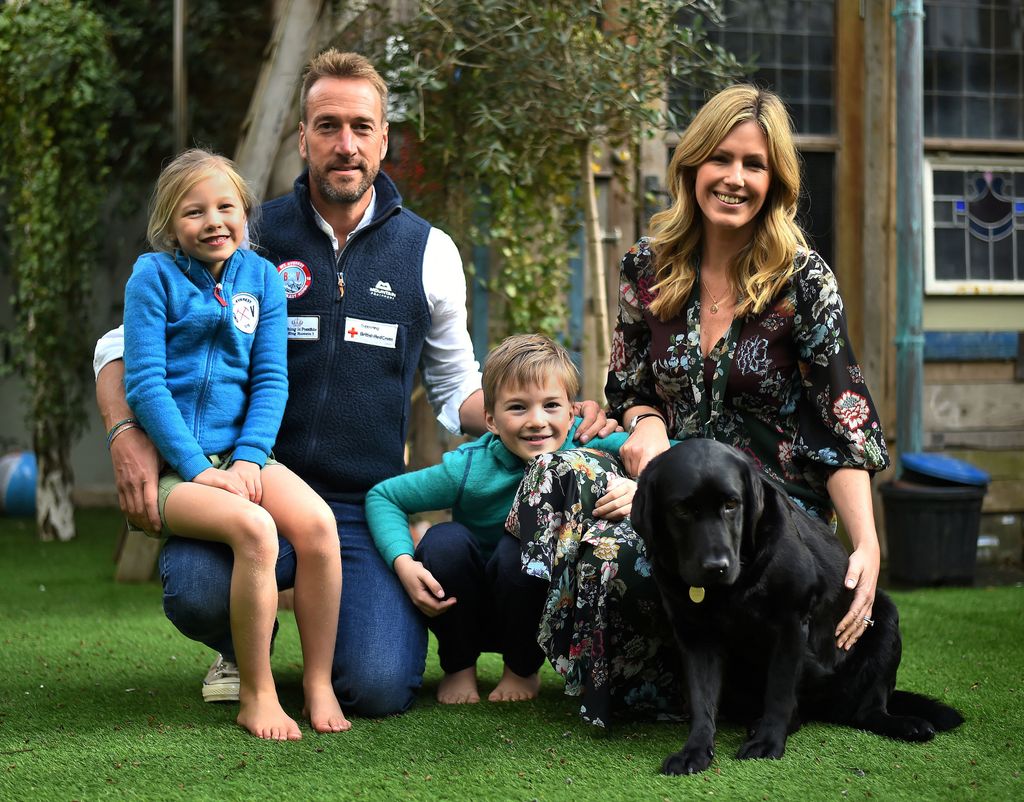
x,y
459,688
264,717
323,711
514,688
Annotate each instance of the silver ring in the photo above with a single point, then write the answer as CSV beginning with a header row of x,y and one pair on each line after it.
x,y
868,622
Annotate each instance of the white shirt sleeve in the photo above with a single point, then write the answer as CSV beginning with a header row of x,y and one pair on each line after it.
x,y
109,347
449,369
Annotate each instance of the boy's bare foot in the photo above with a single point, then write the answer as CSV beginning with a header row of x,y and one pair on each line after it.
x,y
514,688
264,717
459,688
323,711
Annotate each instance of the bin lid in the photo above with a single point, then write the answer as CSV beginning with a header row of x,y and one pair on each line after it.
x,y
942,466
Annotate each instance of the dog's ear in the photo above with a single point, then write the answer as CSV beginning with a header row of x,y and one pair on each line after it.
x,y
772,510
753,501
644,503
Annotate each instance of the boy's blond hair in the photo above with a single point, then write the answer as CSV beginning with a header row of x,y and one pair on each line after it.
x,y
186,170
525,359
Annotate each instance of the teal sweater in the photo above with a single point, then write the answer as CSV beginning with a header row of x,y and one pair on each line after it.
x,y
477,482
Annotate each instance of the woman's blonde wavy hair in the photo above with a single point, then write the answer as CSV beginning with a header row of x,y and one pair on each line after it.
x,y
762,267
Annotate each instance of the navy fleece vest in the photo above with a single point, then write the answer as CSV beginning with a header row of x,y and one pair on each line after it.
x,y
348,406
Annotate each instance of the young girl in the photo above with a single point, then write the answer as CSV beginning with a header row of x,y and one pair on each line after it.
x,y
205,372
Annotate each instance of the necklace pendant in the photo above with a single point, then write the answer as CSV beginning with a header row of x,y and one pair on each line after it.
x,y
714,309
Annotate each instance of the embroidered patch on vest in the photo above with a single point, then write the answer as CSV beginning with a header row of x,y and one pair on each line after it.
x,y
382,289
245,310
297,278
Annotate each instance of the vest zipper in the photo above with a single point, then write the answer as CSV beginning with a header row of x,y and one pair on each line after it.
x,y
341,285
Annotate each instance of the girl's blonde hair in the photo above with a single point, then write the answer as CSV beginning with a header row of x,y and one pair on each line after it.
x,y
186,170
763,266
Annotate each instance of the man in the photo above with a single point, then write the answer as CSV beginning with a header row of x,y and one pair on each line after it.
x,y
373,293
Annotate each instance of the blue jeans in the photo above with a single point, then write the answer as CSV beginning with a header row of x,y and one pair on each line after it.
x,y
381,649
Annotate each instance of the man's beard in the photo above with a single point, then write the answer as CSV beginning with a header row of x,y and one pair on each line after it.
x,y
332,194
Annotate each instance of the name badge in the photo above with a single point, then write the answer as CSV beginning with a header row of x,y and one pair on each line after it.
x,y
369,332
304,327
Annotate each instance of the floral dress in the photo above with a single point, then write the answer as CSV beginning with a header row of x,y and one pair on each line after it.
x,y
603,627
782,385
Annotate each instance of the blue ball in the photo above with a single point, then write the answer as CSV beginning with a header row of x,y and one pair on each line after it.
x,y
18,483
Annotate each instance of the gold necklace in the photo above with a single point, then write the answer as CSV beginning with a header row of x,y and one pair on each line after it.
x,y
714,300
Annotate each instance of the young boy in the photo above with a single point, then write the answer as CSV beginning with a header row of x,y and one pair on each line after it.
x,y
466,575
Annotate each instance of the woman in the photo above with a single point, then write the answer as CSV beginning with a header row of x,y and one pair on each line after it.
x,y
729,327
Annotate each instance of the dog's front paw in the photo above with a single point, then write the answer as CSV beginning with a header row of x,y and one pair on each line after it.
x,y
688,761
763,746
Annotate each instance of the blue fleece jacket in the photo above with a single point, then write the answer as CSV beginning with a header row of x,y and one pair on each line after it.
x,y
205,368
477,481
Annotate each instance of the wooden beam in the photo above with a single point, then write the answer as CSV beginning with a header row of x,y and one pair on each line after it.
x,y
849,186
956,407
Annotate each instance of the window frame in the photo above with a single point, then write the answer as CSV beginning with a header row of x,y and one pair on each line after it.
x,y
965,287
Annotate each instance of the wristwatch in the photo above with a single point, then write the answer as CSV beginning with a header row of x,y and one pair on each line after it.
x,y
642,415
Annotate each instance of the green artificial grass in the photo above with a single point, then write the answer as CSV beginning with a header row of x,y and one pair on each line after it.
x,y
99,698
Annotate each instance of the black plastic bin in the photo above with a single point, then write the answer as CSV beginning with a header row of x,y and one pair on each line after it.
x,y
932,520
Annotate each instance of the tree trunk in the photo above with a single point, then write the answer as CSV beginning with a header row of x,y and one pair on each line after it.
x,y
55,514
596,334
272,108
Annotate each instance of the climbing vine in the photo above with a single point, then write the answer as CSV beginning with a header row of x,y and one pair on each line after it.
x,y
508,98
56,98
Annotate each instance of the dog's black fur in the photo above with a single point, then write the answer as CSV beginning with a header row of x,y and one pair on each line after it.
x,y
764,635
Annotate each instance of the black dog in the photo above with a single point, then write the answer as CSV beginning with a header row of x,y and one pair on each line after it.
x,y
754,589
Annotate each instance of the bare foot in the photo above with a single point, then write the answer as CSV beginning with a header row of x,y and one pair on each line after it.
x,y
323,711
514,688
459,688
264,717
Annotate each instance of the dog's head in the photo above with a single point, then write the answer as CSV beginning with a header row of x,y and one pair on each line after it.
x,y
696,507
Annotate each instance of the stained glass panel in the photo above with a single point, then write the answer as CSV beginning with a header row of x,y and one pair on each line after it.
x,y
977,224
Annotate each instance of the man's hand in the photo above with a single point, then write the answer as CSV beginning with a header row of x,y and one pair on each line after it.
x,y
136,473
617,503
425,591
249,473
594,424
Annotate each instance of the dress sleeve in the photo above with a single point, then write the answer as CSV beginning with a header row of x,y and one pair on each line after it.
x,y
837,425
630,379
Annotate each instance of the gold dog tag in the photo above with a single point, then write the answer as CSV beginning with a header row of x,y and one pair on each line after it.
x,y
696,595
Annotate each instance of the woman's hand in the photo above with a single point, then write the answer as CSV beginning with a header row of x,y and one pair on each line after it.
x,y
594,424
850,491
617,502
862,576
249,473
425,591
647,441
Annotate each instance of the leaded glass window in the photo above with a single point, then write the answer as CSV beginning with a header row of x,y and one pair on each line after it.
x,y
974,69
792,42
976,220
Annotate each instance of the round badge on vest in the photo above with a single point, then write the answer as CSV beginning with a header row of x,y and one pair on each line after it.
x,y
297,278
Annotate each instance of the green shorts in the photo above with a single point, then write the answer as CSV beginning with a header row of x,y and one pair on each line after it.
x,y
169,480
